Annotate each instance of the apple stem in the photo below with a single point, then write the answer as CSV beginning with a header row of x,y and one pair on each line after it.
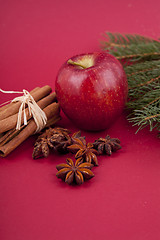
x,y
75,63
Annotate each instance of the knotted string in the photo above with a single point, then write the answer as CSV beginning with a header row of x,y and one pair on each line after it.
x,y
35,111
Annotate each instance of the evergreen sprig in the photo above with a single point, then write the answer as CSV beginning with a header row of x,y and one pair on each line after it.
x,y
140,57
131,47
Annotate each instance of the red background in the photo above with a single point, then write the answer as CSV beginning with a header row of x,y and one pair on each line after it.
x,y
122,201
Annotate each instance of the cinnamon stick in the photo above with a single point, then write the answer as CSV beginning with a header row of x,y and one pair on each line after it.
x,y
51,111
11,104
14,107
11,121
53,120
13,132
6,135
10,135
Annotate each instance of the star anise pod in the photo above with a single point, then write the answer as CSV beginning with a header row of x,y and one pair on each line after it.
x,y
60,142
77,135
41,147
53,138
78,172
57,130
107,145
84,150
63,141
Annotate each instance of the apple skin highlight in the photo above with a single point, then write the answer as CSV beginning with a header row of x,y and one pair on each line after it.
x,y
93,96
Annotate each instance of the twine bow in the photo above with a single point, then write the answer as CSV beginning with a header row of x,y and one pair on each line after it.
x,y
34,110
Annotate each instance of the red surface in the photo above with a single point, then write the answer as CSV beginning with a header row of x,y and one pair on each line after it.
x,y
122,201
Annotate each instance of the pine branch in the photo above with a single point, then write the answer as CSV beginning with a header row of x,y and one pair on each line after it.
x,y
144,94
143,81
144,100
131,47
117,39
142,54
145,117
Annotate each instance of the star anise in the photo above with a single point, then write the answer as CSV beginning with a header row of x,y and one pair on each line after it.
x,y
84,150
60,142
107,145
41,148
77,135
78,172
53,138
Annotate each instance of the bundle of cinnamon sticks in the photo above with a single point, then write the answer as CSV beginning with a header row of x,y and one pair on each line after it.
x,y
10,138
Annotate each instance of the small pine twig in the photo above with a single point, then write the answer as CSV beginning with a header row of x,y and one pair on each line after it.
x,y
137,56
131,47
146,83
140,57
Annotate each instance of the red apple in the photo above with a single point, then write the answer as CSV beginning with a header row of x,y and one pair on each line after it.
x,y
92,90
